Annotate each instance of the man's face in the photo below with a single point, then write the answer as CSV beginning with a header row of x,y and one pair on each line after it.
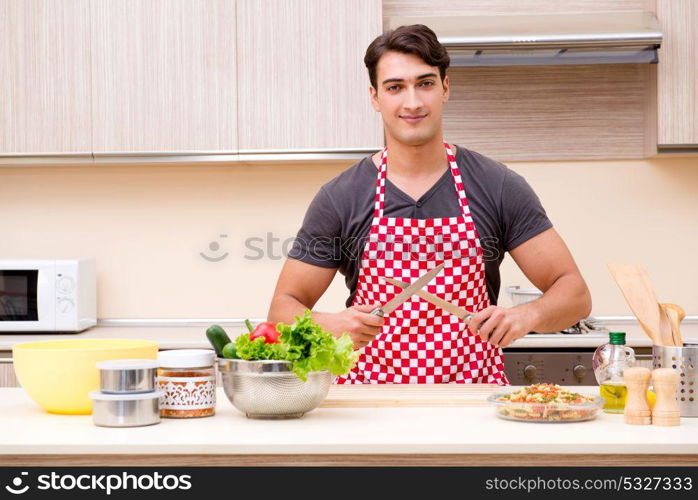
x,y
410,97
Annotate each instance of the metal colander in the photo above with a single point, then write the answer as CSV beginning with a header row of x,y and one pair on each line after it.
x,y
269,389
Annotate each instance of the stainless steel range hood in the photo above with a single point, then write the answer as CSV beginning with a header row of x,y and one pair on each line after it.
x,y
546,39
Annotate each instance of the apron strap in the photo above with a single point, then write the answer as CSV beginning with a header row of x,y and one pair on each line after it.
x,y
380,185
455,173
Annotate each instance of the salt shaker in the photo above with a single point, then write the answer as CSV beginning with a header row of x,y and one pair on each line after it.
x,y
637,408
666,410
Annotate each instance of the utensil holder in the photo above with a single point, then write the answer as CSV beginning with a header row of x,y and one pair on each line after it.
x,y
685,361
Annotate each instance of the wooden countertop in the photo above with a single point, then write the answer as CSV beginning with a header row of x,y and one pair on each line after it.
x,y
357,425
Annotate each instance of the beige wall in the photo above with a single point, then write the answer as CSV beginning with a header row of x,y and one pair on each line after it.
x,y
147,225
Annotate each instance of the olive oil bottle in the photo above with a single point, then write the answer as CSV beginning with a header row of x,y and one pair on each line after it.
x,y
610,361
615,396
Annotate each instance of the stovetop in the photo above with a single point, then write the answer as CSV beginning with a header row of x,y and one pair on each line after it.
x,y
594,334
588,327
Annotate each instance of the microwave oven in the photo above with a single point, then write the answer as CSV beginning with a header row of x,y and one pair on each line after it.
x,y
47,295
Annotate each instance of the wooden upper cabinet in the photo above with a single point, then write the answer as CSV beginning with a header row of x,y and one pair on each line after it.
x,y
523,113
164,75
509,7
531,113
45,85
677,81
301,78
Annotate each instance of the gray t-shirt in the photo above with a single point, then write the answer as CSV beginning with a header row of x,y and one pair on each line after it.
x,y
505,210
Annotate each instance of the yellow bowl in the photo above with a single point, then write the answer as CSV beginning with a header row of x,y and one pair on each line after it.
x,y
59,374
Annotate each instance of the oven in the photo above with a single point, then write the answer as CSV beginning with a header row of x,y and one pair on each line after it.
x,y
563,366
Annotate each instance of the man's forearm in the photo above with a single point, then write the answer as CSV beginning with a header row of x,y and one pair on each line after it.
x,y
285,308
566,302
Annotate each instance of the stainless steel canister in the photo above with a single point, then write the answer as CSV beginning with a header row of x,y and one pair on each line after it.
x,y
122,376
685,361
126,410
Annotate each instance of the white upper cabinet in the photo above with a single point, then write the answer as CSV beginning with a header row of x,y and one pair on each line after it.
x,y
164,76
301,78
45,95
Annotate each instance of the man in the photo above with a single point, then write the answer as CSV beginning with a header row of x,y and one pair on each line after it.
x,y
427,203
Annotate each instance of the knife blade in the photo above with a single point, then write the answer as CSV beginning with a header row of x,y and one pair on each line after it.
x,y
459,312
408,292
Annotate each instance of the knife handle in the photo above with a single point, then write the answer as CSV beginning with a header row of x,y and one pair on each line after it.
x,y
378,312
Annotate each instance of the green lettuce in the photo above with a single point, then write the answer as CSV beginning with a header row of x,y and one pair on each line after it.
x,y
306,345
254,350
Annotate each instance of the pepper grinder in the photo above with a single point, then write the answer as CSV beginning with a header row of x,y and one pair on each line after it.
x,y
637,408
666,410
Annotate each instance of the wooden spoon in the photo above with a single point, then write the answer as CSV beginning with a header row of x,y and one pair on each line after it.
x,y
676,314
633,283
665,323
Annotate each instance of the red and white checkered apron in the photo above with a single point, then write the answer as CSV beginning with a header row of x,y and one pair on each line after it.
x,y
419,342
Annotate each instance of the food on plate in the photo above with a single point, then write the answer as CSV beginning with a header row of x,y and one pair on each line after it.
x,y
546,402
218,338
546,393
304,344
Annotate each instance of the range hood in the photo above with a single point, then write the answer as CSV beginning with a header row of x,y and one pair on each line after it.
x,y
546,39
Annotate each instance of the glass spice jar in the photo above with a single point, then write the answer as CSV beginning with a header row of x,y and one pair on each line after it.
x,y
188,377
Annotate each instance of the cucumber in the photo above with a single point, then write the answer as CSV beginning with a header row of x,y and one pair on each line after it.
x,y
230,351
218,338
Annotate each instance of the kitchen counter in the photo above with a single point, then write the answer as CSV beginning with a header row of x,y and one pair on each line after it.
x,y
460,429
193,337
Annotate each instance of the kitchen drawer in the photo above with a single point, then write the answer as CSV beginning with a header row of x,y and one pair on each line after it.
x,y
7,371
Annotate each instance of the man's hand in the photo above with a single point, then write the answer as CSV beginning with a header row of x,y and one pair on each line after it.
x,y
299,288
501,325
357,321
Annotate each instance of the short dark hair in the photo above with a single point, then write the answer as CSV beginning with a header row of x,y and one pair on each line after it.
x,y
415,39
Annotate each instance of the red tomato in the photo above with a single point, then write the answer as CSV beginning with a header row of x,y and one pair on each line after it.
x,y
266,330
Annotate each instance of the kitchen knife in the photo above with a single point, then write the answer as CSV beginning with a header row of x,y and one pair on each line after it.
x,y
459,312
408,292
